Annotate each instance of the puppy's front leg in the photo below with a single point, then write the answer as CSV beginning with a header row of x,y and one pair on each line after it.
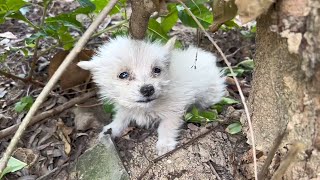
x,y
119,123
167,133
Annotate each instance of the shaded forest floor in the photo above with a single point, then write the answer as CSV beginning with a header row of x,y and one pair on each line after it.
x,y
56,142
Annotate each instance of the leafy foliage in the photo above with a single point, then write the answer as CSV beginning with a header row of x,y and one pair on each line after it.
x,y
10,9
240,69
205,116
24,104
197,116
224,102
200,11
12,166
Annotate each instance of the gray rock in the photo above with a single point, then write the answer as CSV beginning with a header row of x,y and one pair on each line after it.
x,y
101,162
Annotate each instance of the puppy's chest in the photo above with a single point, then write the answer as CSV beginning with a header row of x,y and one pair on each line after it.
x,y
145,118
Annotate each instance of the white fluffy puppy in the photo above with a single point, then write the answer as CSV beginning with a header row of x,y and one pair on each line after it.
x,y
149,82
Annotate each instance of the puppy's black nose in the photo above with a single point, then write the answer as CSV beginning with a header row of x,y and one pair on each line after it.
x,y
147,90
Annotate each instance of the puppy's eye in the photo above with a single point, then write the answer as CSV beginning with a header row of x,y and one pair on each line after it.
x,y
123,75
156,70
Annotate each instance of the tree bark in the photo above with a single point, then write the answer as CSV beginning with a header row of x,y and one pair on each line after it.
x,y
141,12
286,84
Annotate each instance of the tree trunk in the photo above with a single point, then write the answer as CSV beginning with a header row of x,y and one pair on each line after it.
x,y
286,85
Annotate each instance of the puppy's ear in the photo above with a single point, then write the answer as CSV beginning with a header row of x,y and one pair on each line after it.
x,y
170,43
86,65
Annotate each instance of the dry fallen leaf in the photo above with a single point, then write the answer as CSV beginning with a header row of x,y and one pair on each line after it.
x,y
222,11
73,75
64,132
8,35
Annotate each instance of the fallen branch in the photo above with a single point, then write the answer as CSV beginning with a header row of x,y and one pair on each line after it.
x,y
14,77
214,170
264,170
35,54
144,172
237,84
10,130
54,79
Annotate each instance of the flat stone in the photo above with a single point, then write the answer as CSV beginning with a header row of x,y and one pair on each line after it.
x,y
101,162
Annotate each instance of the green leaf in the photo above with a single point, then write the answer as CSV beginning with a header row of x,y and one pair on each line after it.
x,y
188,116
24,104
197,116
3,57
224,101
209,115
30,41
100,4
228,101
247,64
241,68
68,20
156,30
86,7
10,9
15,5
203,15
65,38
234,128
195,111
13,166
171,19
108,107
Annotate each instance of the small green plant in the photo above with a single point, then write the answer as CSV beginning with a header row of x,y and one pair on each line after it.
x,y
24,104
205,116
240,69
13,166
108,107
234,128
197,116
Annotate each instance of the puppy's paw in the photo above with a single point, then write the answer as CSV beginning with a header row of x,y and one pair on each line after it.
x,y
110,129
164,146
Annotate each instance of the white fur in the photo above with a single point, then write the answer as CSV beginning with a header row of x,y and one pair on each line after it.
x,y
182,82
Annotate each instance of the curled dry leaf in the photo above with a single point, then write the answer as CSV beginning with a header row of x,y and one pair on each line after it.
x,y
64,132
249,10
223,11
73,75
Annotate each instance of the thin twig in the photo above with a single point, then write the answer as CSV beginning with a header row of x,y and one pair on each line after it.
x,y
290,159
79,99
35,54
263,171
237,84
14,77
144,172
54,79
214,170
89,106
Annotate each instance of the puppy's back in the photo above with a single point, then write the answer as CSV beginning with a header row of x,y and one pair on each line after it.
x,y
196,72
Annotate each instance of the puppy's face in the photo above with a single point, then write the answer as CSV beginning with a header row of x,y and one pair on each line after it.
x,y
131,73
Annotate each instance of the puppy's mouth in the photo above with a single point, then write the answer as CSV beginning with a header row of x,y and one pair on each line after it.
x,y
146,100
